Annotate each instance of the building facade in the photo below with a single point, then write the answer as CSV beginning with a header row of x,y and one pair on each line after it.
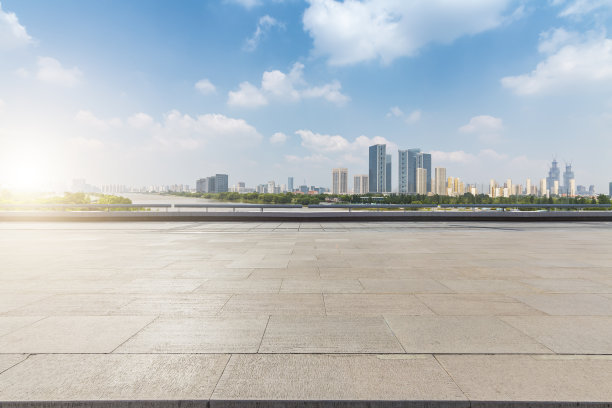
x,y
361,184
340,181
421,181
388,174
424,162
402,171
441,184
377,168
290,184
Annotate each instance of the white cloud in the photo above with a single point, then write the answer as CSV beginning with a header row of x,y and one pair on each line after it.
x,y
323,143
86,143
310,159
574,64
51,71
140,120
89,119
22,73
12,33
552,40
451,157
278,138
412,117
280,86
487,128
353,31
248,4
205,87
2,105
247,96
264,25
582,7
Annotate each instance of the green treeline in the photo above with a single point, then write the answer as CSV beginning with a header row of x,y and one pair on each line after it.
x,y
290,198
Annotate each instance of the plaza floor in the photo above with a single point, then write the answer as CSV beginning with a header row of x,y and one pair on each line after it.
x,y
232,314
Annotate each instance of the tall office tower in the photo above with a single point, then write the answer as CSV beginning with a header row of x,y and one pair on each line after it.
x,y
509,185
402,171
568,175
202,185
554,174
388,174
450,186
528,187
555,187
421,182
572,187
592,190
360,184
221,183
378,168
492,187
440,181
543,187
340,181
270,187
290,184
424,162
211,184
411,166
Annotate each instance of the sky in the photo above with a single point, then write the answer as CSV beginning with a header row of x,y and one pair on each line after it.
x,y
159,92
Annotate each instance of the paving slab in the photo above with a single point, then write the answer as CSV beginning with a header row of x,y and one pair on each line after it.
x,y
321,286
198,335
9,324
334,378
403,286
9,301
502,286
475,304
73,334
240,286
329,334
82,377
9,360
559,285
569,304
74,304
461,334
278,304
374,304
531,378
567,334
175,305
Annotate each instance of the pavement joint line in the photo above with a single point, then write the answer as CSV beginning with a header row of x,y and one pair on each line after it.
x,y
263,335
229,357
451,377
394,335
130,337
16,364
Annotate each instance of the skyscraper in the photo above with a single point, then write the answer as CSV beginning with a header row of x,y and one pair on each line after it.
x,y
221,183
360,184
440,187
554,174
340,181
402,171
543,187
424,162
568,175
378,168
388,173
290,184
411,169
421,181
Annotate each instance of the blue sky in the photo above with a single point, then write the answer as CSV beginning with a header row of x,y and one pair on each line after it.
x,y
162,92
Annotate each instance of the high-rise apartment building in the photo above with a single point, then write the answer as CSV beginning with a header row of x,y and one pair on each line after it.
x,y
421,180
402,171
528,187
610,189
572,187
388,174
543,188
440,186
411,169
555,187
361,184
290,184
378,168
221,183
340,181
423,161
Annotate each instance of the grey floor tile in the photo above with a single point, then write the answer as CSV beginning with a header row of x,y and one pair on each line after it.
x,y
74,304
531,378
475,304
240,286
10,360
9,324
175,305
461,334
568,334
65,377
198,335
10,301
73,334
569,304
334,377
321,286
486,286
278,304
328,334
559,285
374,304
403,286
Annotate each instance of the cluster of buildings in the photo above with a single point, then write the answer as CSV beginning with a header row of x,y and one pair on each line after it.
x,y
213,184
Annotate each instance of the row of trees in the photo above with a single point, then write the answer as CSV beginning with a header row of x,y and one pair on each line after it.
x,y
468,198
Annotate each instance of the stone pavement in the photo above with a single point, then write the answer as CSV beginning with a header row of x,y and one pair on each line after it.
x,y
239,314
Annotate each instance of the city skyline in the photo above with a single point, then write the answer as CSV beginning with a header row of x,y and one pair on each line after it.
x,y
265,90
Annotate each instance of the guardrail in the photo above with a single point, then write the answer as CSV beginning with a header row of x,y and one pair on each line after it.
x,y
86,206
234,206
350,207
